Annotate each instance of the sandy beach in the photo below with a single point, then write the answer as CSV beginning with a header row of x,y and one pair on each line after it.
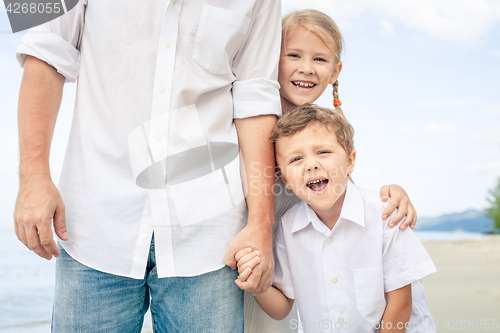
x,y
465,291
464,294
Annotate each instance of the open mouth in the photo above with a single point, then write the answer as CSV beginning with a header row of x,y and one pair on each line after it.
x,y
303,84
318,185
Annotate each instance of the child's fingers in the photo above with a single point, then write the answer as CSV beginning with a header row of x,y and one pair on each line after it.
x,y
245,285
411,218
244,276
414,222
247,257
400,215
240,254
251,264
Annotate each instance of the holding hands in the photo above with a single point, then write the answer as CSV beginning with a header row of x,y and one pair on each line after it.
x,y
246,260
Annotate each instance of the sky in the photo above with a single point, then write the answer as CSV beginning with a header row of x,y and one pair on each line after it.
x,y
420,84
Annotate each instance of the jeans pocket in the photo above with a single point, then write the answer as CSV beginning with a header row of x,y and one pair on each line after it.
x,y
369,285
220,35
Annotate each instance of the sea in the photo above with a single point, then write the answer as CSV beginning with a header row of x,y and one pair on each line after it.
x,y
27,283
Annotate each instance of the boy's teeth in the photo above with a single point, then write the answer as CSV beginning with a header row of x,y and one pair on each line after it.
x,y
316,181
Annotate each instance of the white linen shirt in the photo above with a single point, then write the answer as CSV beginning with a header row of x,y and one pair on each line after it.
x,y
339,277
153,146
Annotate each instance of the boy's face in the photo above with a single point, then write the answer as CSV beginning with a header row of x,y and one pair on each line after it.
x,y
315,167
306,68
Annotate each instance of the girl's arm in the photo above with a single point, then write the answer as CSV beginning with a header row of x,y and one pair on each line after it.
x,y
401,201
398,310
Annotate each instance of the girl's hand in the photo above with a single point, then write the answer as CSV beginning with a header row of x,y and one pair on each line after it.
x,y
401,201
246,260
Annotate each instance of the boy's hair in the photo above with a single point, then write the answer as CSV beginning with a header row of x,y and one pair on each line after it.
x,y
322,26
302,116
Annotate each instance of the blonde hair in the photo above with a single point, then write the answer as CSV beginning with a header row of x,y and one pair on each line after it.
x,y
322,26
302,116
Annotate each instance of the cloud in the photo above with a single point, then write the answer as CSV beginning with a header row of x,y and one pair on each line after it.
x,y
485,166
433,128
496,53
447,103
386,28
458,21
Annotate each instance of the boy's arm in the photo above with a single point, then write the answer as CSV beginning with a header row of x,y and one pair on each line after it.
x,y
272,301
275,303
398,310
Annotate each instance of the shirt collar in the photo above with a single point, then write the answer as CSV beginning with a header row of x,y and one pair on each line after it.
x,y
352,210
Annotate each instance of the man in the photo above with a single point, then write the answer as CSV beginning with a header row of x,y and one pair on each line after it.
x,y
151,187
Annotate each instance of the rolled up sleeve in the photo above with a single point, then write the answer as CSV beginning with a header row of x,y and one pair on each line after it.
x,y
57,42
256,89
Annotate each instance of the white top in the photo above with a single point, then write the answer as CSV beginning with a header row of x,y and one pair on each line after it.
x,y
159,84
340,276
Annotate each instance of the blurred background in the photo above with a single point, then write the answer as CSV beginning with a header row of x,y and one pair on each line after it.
x,y
420,84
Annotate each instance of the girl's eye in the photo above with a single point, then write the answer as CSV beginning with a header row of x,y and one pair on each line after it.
x,y
323,152
293,55
319,59
295,159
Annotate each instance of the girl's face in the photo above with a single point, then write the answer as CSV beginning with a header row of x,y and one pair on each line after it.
x,y
307,66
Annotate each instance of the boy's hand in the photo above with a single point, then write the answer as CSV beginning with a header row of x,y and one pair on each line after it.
x,y
247,261
401,201
254,236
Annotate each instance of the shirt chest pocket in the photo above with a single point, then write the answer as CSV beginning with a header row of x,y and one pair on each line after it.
x,y
369,286
220,35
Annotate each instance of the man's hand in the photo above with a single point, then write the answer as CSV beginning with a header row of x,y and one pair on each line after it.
x,y
38,202
257,238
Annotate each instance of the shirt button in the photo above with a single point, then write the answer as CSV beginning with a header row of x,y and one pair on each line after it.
x,y
144,235
157,184
335,280
341,320
174,2
167,45
330,239
162,90
158,137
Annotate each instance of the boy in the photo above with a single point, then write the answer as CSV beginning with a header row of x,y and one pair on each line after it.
x,y
333,253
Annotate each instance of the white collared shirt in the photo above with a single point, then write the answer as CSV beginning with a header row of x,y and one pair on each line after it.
x,y
153,147
339,277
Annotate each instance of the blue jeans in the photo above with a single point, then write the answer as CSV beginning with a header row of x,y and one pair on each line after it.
x,y
89,301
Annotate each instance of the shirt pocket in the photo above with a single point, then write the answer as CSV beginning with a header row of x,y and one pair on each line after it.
x,y
369,286
220,35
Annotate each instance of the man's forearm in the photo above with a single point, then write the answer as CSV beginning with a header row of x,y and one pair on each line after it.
x,y
39,101
39,203
258,157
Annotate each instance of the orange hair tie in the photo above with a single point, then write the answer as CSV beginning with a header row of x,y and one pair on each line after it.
x,y
336,102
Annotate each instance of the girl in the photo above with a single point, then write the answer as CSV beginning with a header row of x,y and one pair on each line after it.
x,y
311,45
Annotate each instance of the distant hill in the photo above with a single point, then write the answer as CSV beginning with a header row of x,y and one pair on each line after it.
x,y
471,220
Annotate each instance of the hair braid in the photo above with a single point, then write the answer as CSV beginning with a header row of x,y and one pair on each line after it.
x,y
336,100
